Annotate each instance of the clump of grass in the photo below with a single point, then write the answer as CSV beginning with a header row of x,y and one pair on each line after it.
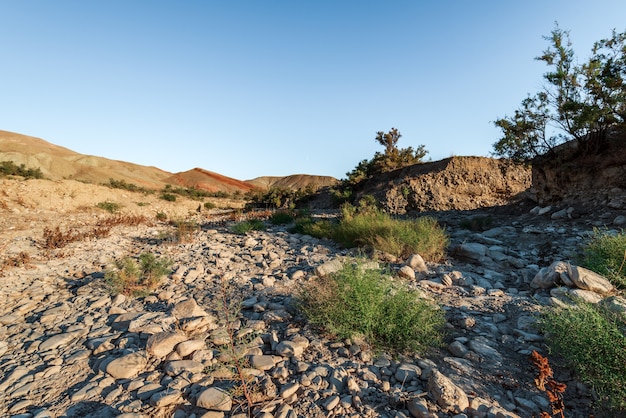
x,y
281,218
362,302
605,254
209,205
9,168
168,197
137,277
161,216
592,342
372,228
111,207
184,230
241,228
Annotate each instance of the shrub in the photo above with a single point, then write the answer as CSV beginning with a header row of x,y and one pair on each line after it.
x,y
168,196
592,341
111,207
161,216
370,227
137,277
605,254
184,230
122,184
242,228
9,168
281,218
361,302
209,205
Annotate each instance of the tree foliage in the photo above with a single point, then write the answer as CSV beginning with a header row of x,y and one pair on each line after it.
x,y
393,157
578,101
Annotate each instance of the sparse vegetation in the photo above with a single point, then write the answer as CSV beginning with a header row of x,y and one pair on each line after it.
x,y
592,342
209,205
168,197
9,168
282,217
184,230
369,227
364,302
605,253
161,216
580,102
122,184
137,277
279,197
111,207
241,228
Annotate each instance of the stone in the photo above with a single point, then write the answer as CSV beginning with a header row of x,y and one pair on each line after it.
x,y
407,372
406,272
446,394
549,276
418,408
329,267
289,349
215,399
176,367
188,309
470,250
57,341
161,344
588,280
165,398
417,263
186,348
619,220
289,389
330,403
127,366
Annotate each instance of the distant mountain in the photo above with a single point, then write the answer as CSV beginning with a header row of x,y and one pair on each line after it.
x,y
57,163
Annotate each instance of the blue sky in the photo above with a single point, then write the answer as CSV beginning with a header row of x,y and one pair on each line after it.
x,y
252,88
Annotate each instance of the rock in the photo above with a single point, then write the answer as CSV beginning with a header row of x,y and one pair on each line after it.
x,y
416,262
330,403
329,267
186,348
407,372
446,394
176,367
470,250
619,220
289,349
57,341
161,344
262,362
165,398
418,408
289,389
589,280
549,276
127,366
215,399
188,309
406,272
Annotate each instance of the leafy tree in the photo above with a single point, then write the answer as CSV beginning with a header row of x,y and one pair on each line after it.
x,y
393,157
579,102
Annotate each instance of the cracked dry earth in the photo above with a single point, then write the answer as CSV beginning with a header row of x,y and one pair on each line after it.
x,y
70,349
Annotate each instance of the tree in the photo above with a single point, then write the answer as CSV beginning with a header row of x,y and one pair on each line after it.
x,y
393,157
579,102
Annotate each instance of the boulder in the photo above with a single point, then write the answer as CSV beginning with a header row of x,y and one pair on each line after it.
x,y
447,395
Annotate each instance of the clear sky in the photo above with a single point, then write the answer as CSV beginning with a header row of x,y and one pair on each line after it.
x,y
265,87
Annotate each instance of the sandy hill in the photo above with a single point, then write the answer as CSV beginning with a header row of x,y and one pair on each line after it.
x,y
57,163
295,181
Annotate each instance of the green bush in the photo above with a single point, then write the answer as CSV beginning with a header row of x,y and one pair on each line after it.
x,y
242,228
370,227
361,302
605,254
122,184
9,168
281,218
168,196
161,216
209,205
111,207
592,342
137,277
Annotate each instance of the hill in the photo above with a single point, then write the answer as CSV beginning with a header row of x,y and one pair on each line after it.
x,y
58,163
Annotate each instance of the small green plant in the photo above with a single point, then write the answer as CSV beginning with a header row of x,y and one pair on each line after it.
x,y
591,340
137,277
362,302
605,254
161,216
142,204
111,207
168,197
184,230
281,218
122,184
209,205
241,228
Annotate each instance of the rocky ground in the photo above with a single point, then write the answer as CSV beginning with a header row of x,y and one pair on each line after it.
x,y
69,349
